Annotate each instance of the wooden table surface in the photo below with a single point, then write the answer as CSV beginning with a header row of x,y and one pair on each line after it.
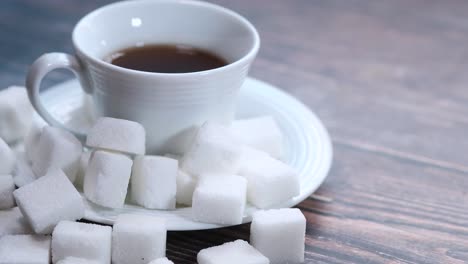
x,y
389,80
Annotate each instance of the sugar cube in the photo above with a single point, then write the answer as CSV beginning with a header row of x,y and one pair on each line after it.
x,y
7,186
73,260
261,133
88,241
12,222
173,156
270,181
153,182
49,200
138,239
220,200
107,177
57,149
118,135
25,249
32,138
7,158
23,173
161,261
185,187
16,113
235,252
287,225
214,150
83,165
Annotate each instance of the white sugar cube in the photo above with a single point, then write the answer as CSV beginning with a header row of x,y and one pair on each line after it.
x,y
287,225
107,177
235,252
83,165
88,241
7,186
57,149
185,187
270,181
153,182
118,135
73,260
261,133
16,113
23,173
138,239
220,200
25,249
12,222
161,261
214,150
31,141
7,158
49,200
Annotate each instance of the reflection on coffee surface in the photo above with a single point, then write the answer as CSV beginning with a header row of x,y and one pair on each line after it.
x,y
166,59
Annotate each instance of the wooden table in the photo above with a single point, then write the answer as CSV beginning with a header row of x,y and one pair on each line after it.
x,y
388,78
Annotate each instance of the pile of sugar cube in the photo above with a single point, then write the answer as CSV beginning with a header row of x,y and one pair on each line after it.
x,y
223,169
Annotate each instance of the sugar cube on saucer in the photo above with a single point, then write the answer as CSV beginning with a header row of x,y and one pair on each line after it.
x,y
73,260
25,249
153,182
220,200
12,222
7,158
161,261
107,177
261,133
57,149
7,186
16,113
138,239
117,135
270,181
88,241
287,225
185,187
214,150
235,252
49,200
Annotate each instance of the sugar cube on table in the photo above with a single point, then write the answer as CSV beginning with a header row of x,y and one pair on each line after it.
x,y
270,181
220,200
138,239
107,177
185,187
23,173
16,113
261,133
57,149
25,249
81,240
83,165
49,200
161,261
117,135
7,158
73,260
213,150
279,234
153,182
7,186
235,252
12,222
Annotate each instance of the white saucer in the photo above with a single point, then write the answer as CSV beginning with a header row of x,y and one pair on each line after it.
x,y
307,144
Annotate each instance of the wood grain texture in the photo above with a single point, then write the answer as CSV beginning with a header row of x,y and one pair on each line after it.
x,y
388,78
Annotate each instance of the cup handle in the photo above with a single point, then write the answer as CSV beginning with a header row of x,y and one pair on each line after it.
x,y
39,69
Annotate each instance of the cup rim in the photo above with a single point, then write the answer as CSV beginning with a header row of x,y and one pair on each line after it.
x,y
245,58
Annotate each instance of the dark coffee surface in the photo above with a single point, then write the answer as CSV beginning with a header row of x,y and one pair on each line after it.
x,y
166,59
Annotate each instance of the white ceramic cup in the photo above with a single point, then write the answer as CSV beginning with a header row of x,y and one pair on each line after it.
x,y
168,105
